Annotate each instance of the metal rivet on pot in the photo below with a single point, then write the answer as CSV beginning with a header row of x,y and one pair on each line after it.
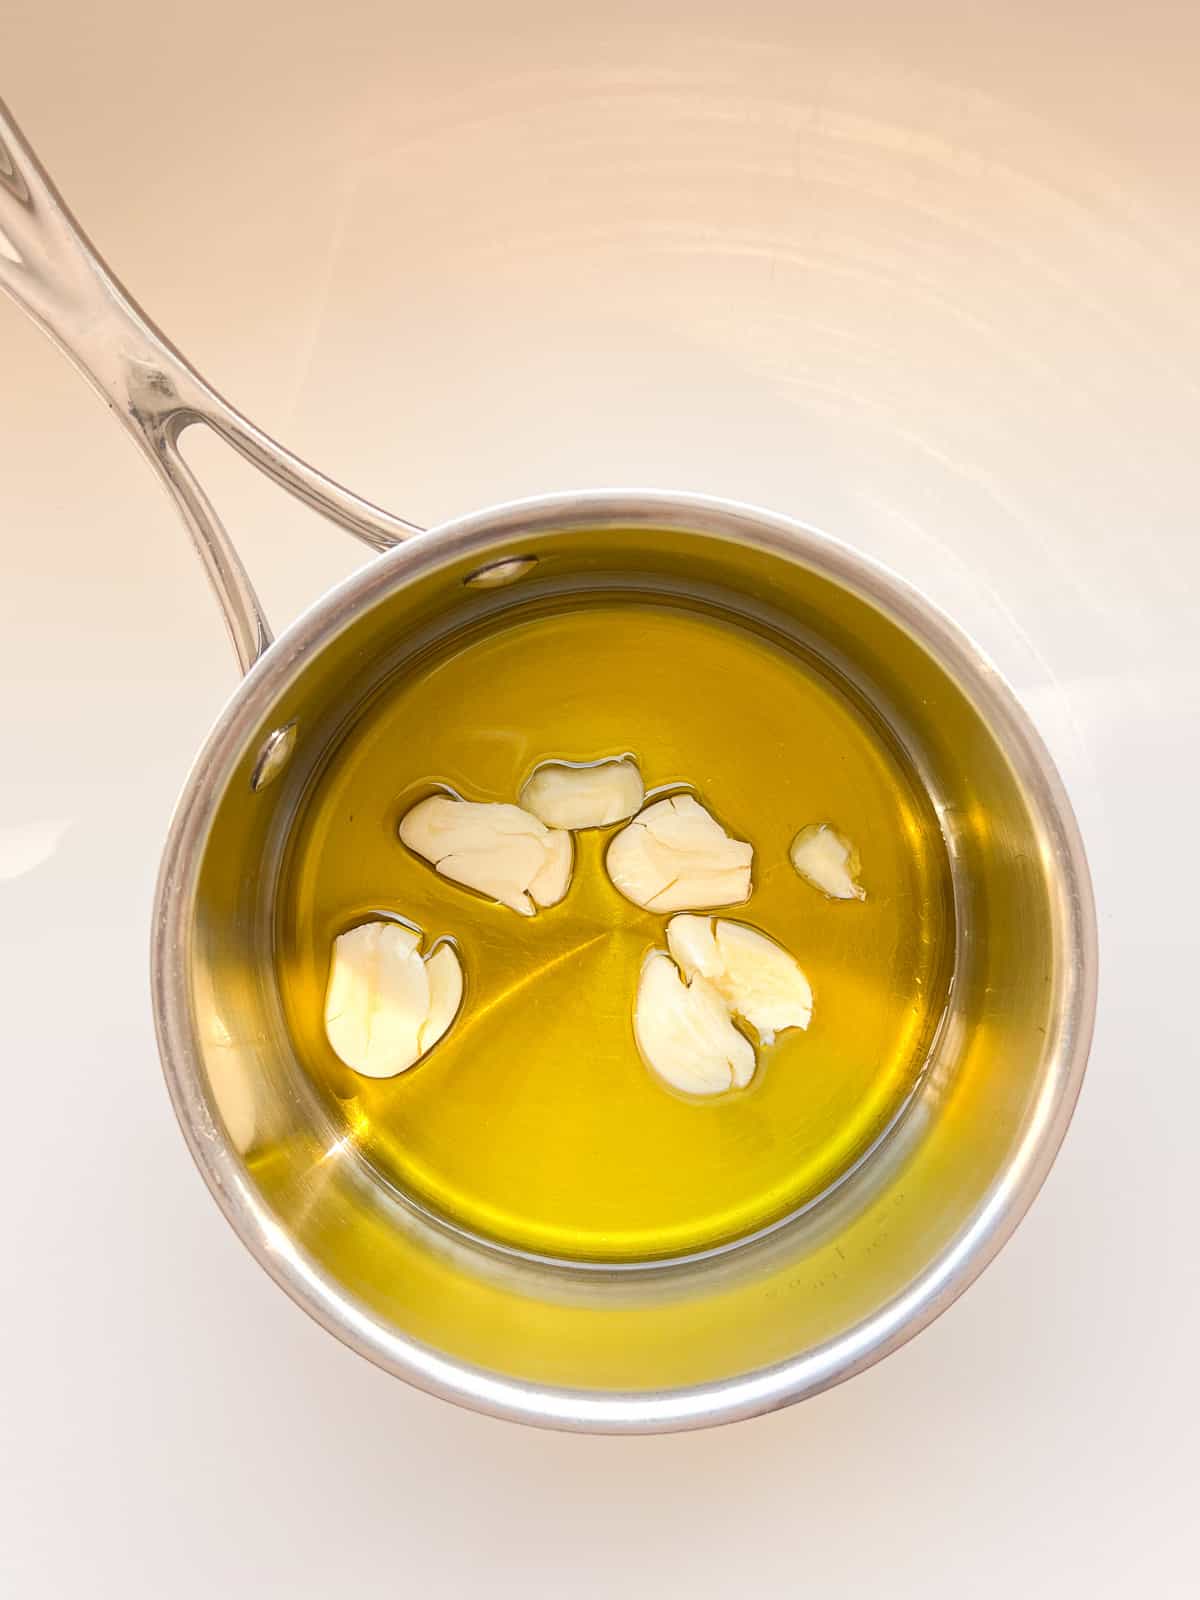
x,y
275,754
499,573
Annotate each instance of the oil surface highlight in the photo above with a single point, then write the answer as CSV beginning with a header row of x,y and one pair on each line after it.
x,y
534,1122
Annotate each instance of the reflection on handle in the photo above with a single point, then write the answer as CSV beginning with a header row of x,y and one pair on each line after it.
x,y
51,270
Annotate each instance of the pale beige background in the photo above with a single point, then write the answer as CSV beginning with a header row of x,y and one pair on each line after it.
x,y
924,274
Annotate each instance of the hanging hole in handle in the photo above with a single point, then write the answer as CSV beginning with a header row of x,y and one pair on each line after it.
x,y
497,574
276,752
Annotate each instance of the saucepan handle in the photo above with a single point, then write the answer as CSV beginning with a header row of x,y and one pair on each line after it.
x,y
54,274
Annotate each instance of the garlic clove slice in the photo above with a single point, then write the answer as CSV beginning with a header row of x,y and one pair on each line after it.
x,y
757,979
676,856
554,877
827,861
685,1034
564,794
499,850
693,942
763,982
378,999
445,974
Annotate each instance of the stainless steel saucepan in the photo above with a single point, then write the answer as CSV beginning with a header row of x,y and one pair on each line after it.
x,y
682,1344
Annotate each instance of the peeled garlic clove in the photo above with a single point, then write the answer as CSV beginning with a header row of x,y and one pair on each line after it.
x,y
827,861
377,998
684,1032
385,1006
593,795
444,971
757,979
554,878
676,856
500,850
693,943
763,983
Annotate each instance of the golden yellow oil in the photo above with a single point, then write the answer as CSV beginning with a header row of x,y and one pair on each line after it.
x,y
535,1122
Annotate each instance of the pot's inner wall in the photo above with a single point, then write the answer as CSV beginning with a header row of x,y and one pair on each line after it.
x,y
703,1320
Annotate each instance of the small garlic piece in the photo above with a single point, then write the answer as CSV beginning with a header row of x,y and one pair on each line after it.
x,y
500,850
385,1006
684,1031
827,861
554,876
675,856
564,794
444,971
755,977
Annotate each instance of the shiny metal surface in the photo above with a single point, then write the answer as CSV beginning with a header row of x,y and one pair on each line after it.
x,y
713,1338
54,274
704,1340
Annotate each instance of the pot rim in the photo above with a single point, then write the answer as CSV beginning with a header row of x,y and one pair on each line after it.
x,y
701,1405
